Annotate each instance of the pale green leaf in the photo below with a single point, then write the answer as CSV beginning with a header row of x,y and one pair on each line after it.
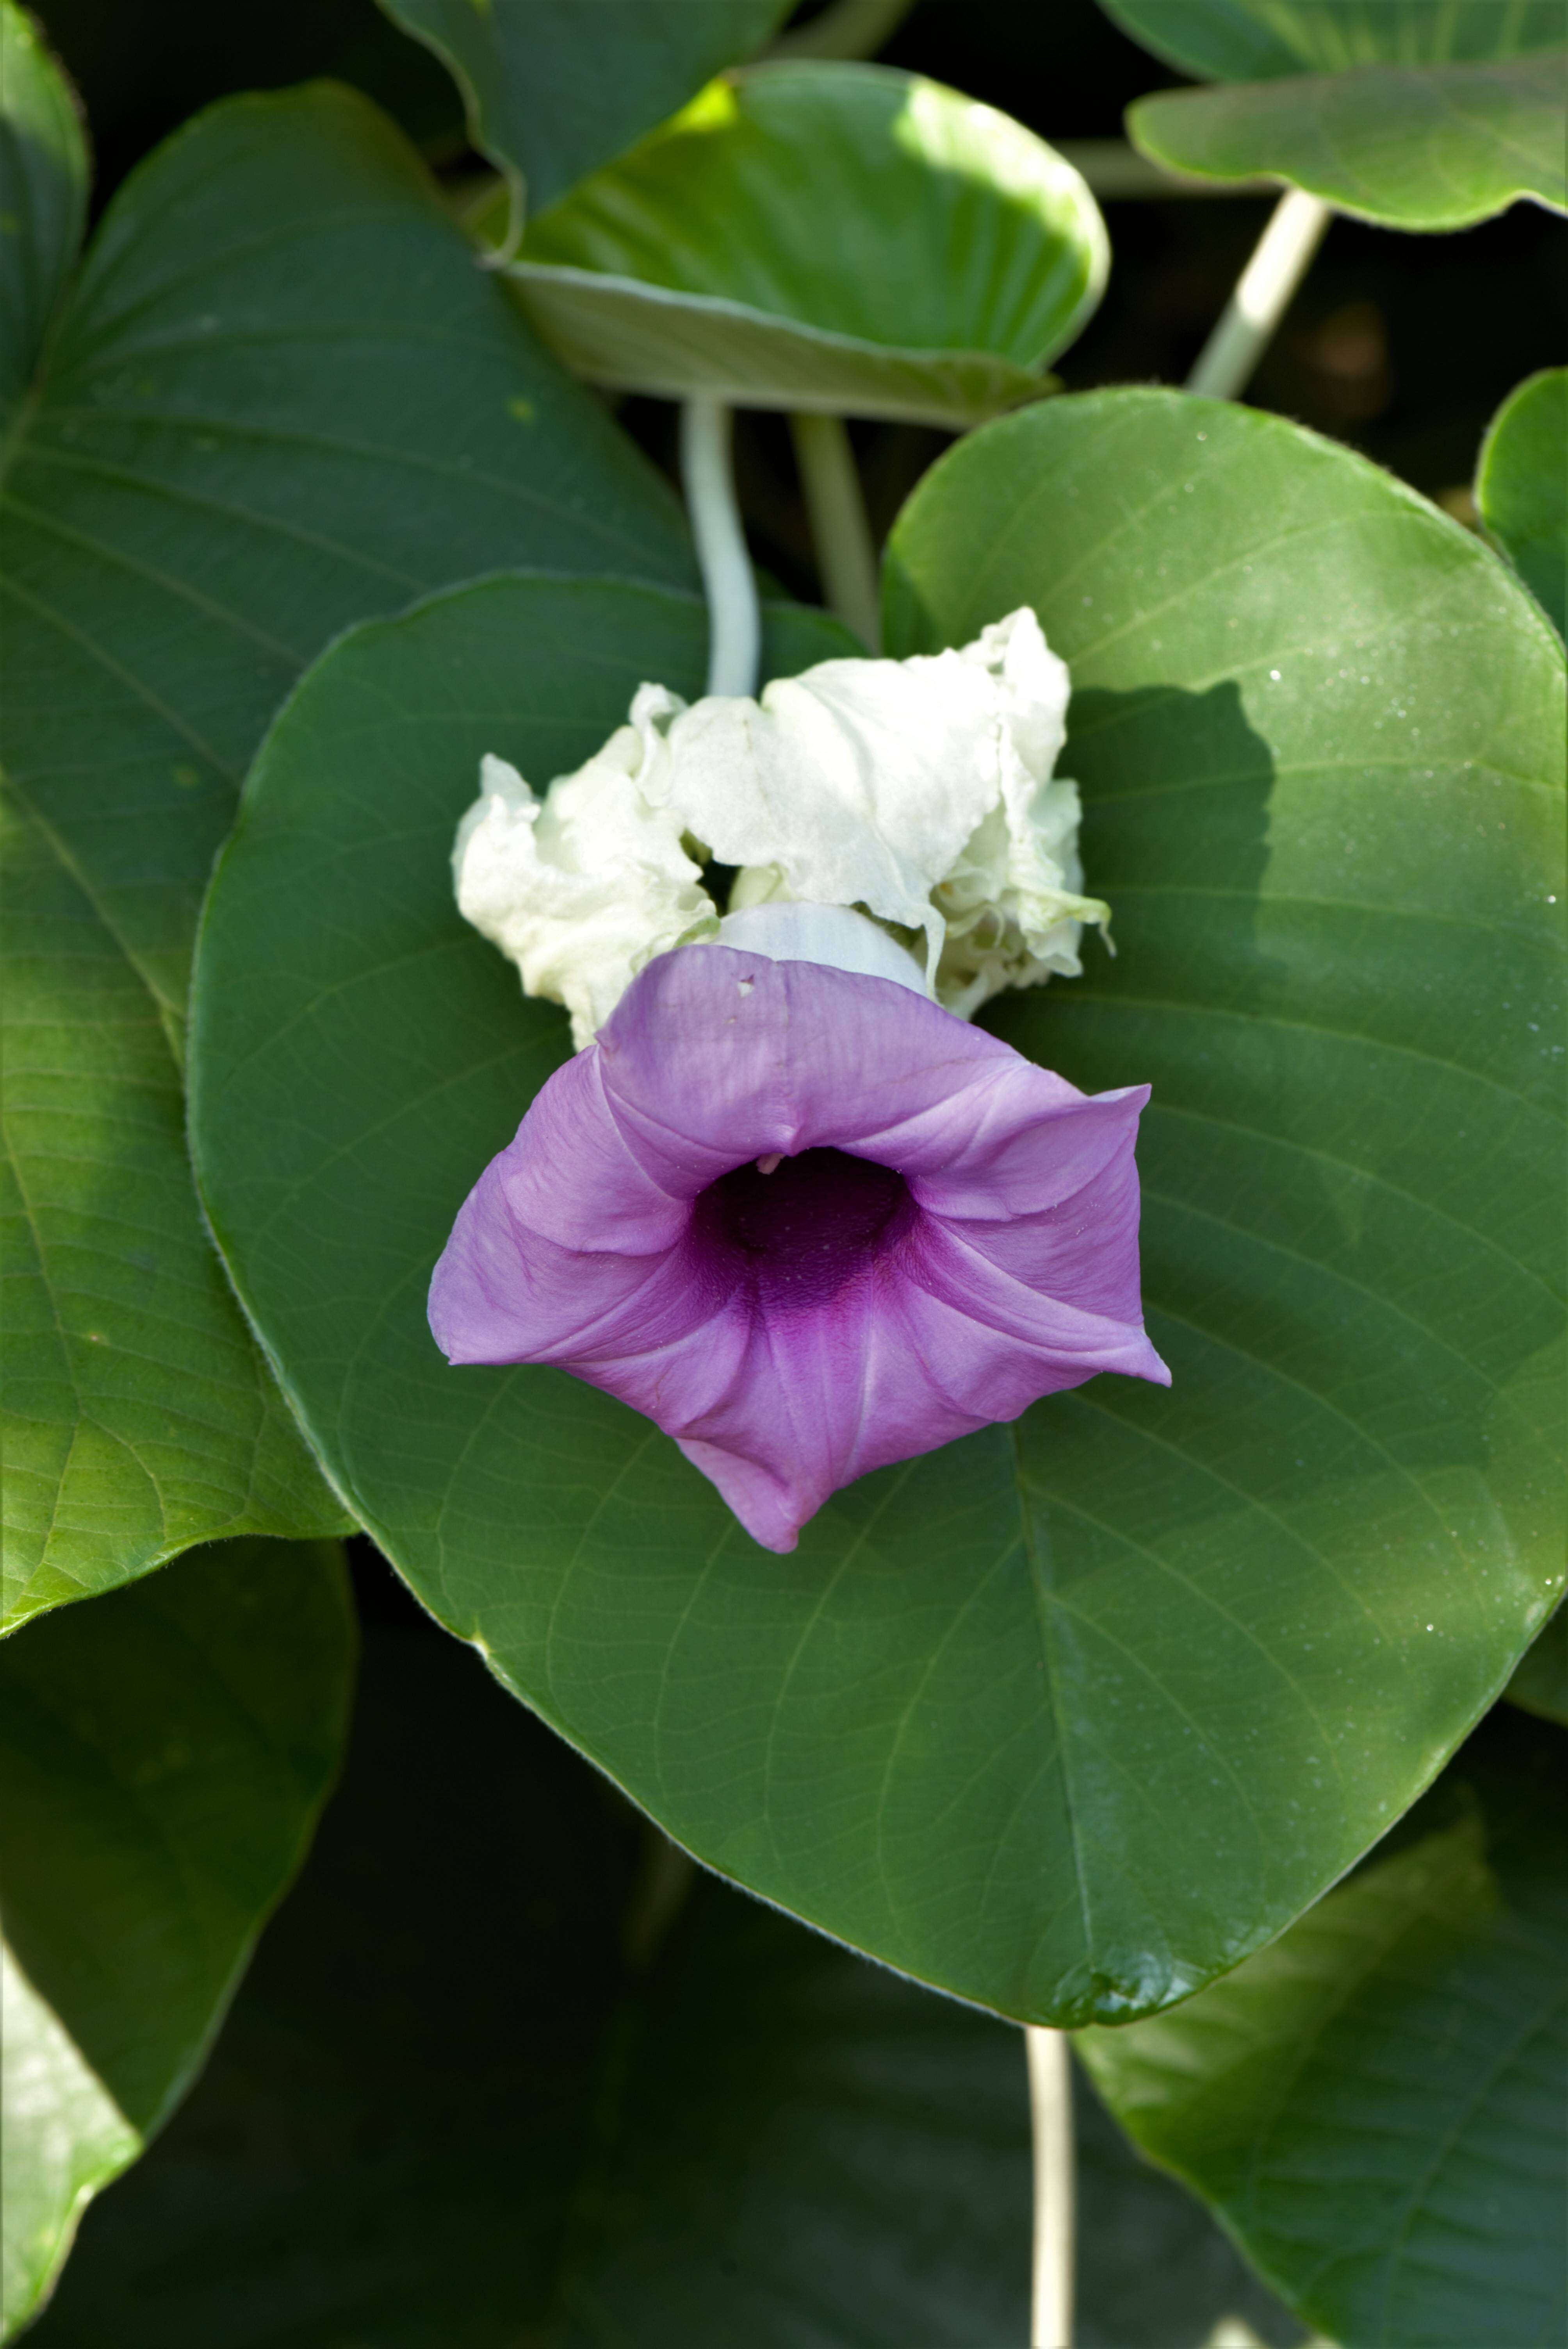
x,y
839,238
1521,487
1409,147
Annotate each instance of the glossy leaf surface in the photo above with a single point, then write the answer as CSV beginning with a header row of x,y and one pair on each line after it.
x,y
1521,487
1094,1705
1254,40
831,237
554,88
43,196
692,2124
1410,147
165,1755
1374,2105
280,397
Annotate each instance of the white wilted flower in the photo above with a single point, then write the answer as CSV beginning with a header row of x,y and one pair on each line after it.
x,y
581,888
920,790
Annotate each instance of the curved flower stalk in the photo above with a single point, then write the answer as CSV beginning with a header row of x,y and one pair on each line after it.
x,y
922,792
806,1220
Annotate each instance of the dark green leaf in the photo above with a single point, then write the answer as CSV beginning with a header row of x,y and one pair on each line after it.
x,y
554,88
1374,2105
281,397
1410,147
164,1757
832,237
1071,1715
1541,1683
1254,40
475,2119
43,197
1522,486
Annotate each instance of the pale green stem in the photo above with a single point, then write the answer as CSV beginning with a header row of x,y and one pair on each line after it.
x,y
840,532
1281,259
849,28
734,615
1051,2118
502,255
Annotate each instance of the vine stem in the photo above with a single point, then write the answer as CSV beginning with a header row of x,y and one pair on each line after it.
x,y
1051,2118
734,614
1281,259
840,532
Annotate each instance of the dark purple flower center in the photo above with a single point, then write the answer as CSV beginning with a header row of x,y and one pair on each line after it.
x,y
802,1231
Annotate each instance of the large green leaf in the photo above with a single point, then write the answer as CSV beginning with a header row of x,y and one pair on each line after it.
x,y
43,197
1522,486
1071,1715
830,237
500,2075
1410,147
1376,2104
1256,40
280,397
165,1755
554,88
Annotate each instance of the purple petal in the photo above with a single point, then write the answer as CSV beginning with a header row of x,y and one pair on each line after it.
x,y
950,1233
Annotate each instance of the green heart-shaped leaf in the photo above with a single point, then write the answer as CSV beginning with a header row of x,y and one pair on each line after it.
x,y
822,237
1411,147
165,1755
1254,40
279,396
694,2124
1521,487
554,88
1374,2105
1069,1716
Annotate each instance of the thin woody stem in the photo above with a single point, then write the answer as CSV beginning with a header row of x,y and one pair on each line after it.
x,y
1051,2116
840,532
1281,259
734,615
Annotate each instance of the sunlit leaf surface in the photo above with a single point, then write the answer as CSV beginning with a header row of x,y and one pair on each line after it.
x,y
832,237
1411,147
556,88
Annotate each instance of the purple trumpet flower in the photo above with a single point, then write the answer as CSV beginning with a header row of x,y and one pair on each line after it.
x,y
807,1222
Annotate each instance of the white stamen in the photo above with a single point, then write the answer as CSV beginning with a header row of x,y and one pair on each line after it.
x,y
769,1164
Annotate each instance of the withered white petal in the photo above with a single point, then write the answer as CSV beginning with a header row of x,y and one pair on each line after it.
x,y
920,792
581,888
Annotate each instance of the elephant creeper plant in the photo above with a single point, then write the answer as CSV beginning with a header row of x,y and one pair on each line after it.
x,y
1037,1457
